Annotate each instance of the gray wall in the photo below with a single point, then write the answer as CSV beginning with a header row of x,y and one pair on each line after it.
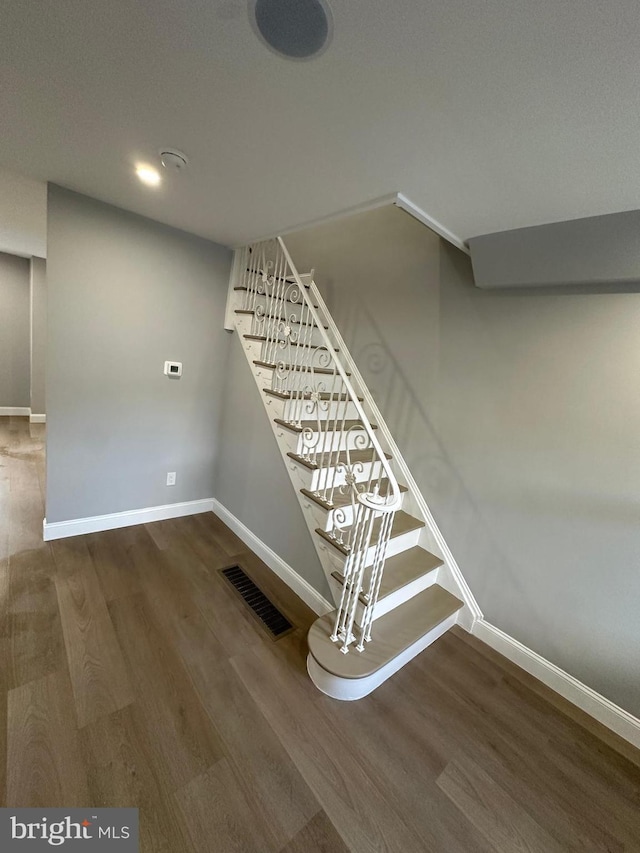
x,y
126,294
38,334
14,331
251,478
593,251
519,415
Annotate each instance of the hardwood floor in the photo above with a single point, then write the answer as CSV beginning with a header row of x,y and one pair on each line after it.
x,y
132,676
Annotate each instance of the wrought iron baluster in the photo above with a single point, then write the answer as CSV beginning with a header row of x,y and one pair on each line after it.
x,y
308,369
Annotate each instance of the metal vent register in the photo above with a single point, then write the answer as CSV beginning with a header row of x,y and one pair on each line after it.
x,y
264,610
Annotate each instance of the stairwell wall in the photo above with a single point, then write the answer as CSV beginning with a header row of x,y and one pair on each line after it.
x,y
251,479
518,414
125,294
14,332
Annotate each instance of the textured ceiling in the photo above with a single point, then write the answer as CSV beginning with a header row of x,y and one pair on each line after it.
x,y
488,115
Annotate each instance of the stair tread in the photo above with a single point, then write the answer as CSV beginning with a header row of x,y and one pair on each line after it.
x,y
354,456
272,365
392,634
331,425
325,395
400,570
289,343
288,299
342,500
402,523
289,278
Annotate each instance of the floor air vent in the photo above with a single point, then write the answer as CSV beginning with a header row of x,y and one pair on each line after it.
x,y
268,614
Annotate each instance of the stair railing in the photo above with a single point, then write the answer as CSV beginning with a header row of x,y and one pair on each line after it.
x,y
354,481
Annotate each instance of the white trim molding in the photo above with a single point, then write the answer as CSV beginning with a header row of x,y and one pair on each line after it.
x,y
95,523
37,419
372,204
398,199
601,709
14,411
412,209
285,572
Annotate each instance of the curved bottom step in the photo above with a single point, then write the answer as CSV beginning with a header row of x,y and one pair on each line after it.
x,y
398,638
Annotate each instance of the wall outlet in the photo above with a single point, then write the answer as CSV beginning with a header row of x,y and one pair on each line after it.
x,y
171,478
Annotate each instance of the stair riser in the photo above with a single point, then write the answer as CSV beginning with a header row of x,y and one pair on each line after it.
x,y
408,591
254,301
350,689
295,380
249,324
266,351
390,602
395,546
253,279
329,441
308,410
301,356
253,350
326,520
269,327
335,477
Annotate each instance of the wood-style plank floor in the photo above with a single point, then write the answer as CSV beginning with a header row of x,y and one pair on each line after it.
x,y
132,676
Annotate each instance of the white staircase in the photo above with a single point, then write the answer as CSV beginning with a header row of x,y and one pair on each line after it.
x,y
395,583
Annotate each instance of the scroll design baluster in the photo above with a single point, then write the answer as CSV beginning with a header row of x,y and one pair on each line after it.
x,y
351,465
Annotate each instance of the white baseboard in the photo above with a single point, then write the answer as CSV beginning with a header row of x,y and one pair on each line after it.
x,y
95,523
601,709
21,412
14,411
298,584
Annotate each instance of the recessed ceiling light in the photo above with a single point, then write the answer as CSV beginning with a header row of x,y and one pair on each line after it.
x,y
296,29
148,175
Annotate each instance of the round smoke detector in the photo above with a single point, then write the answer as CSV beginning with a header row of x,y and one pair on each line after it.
x,y
296,29
174,160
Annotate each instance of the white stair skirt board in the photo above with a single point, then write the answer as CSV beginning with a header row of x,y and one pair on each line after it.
x,y
14,411
601,709
350,689
285,572
37,419
95,523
